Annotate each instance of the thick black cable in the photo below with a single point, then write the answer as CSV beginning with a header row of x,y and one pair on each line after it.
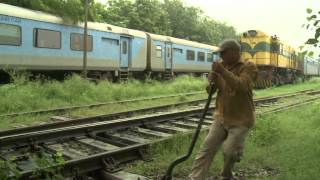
x,y
168,175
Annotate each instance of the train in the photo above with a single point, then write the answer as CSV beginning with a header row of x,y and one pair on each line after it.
x,y
278,63
40,42
43,43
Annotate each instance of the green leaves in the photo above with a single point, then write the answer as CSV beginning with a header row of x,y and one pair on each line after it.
x,y
313,21
168,17
312,41
312,17
310,53
317,34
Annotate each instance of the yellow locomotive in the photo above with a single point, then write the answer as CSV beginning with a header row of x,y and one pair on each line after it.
x,y
277,61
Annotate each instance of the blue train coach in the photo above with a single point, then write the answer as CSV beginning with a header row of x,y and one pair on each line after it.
x,y
37,41
33,40
169,55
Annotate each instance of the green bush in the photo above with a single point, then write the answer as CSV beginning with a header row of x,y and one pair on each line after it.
x,y
266,131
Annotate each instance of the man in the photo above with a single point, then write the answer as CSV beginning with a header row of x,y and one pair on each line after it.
x,y
234,113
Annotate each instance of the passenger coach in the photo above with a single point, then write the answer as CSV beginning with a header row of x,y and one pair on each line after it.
x,y
36,41
40,42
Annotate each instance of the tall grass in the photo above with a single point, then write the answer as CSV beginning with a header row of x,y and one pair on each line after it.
x,y
24,95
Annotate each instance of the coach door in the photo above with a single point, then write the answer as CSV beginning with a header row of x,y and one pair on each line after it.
x,y
124,52
168,57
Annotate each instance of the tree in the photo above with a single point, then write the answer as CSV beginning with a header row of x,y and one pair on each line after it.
x,y
313,21
118,12
69,10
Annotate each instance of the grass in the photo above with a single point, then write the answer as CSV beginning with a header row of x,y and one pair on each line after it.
x,y
313,83
23,95
288,142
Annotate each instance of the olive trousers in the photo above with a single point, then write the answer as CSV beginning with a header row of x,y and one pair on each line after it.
x,y
232,139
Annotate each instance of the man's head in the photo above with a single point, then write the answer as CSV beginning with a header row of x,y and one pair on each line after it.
x,y
229,50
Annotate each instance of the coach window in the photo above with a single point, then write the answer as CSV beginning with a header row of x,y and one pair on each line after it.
x,y
190,55
77,42
10,35
159,51
47,39
201,56
209,57
177,50
114,42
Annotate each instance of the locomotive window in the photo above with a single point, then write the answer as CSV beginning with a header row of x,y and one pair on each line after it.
x,y
47,39
124,47
190,55
209,57
159,51
201,56
77,42
10,34
275,47
178,50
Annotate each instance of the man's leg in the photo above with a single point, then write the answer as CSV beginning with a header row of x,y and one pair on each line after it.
x,y
209,148
233,147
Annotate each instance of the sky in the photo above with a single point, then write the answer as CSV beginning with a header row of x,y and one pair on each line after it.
x,y
283,18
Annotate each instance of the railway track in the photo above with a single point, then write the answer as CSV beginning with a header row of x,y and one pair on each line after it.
x,y
66,121
104,143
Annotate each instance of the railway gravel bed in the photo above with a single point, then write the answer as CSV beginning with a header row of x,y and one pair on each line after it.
x,y
106,144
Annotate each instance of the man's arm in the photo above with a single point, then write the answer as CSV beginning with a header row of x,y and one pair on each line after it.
x,y
215,80
244,80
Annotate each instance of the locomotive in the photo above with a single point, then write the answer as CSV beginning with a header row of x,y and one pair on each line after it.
x,y
278,62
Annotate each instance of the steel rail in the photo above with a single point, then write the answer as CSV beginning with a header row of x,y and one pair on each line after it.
x,y
108,117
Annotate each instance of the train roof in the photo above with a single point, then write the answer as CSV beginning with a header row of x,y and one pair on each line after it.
x,y
258,33
254,33
182,41
20,12
310,59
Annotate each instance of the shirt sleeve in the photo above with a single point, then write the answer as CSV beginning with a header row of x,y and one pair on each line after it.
x,y
244,80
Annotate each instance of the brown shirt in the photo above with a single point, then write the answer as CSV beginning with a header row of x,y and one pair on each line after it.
x,y
234,102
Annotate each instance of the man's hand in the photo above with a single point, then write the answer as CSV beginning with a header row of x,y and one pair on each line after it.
x,y
218,67
213,77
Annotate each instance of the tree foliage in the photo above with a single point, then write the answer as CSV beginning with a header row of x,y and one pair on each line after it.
x,y
167,17
313,25
69,10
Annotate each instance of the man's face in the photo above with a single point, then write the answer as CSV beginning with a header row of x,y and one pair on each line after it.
x,y
230,56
